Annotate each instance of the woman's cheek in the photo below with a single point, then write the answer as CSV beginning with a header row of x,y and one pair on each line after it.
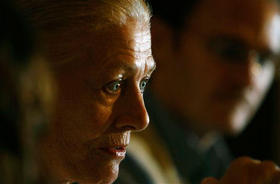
x,y
100,118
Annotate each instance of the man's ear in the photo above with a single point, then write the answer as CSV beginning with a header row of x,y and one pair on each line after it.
x,y
162,39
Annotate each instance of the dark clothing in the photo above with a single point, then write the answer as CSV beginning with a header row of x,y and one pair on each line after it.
x,y
191,161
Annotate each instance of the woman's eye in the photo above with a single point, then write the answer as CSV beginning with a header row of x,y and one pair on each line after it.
x,y
143,84
113,87
262,58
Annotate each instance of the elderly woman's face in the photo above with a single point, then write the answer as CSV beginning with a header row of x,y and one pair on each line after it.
x,y
99,103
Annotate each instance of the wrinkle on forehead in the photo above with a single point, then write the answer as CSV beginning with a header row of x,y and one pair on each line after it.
x,y
132,36
134,41
142,41
126,48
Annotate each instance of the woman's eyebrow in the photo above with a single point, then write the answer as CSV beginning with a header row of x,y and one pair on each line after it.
x,y
152,69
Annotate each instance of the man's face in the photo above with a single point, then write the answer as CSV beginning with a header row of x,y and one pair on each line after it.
x,y
99,103
224,62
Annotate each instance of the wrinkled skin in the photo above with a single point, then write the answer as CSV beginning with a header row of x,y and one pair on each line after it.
x,y
247,171
99,102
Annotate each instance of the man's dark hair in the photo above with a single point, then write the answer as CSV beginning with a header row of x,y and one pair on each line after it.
x,y
176,12
173,13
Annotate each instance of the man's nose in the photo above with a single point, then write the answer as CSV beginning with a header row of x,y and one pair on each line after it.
x,y
132,111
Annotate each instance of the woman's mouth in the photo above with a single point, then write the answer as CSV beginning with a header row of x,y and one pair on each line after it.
x,y
114,144
118,151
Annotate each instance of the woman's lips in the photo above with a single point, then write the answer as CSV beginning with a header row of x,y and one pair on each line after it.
x,y
113,144
118,151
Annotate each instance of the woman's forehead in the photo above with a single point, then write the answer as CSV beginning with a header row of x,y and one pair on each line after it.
x,y
95,46
129,41
118,48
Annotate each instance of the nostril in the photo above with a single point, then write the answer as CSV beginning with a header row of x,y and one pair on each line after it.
x,y
132,123
127,127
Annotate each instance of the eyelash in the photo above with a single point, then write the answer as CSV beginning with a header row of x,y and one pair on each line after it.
x,y
114,87
146,80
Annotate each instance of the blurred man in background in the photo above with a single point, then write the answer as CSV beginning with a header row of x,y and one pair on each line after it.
x,y
216,62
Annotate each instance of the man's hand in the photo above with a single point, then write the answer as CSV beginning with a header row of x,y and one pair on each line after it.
x,y
244,170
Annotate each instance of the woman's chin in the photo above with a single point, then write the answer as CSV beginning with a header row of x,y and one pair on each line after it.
x,y
105,173
110,174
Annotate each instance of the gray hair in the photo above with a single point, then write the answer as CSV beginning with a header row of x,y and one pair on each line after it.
x,y
57,20
50,15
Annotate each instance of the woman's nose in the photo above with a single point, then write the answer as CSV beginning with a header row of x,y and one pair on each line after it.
x,y
133,114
